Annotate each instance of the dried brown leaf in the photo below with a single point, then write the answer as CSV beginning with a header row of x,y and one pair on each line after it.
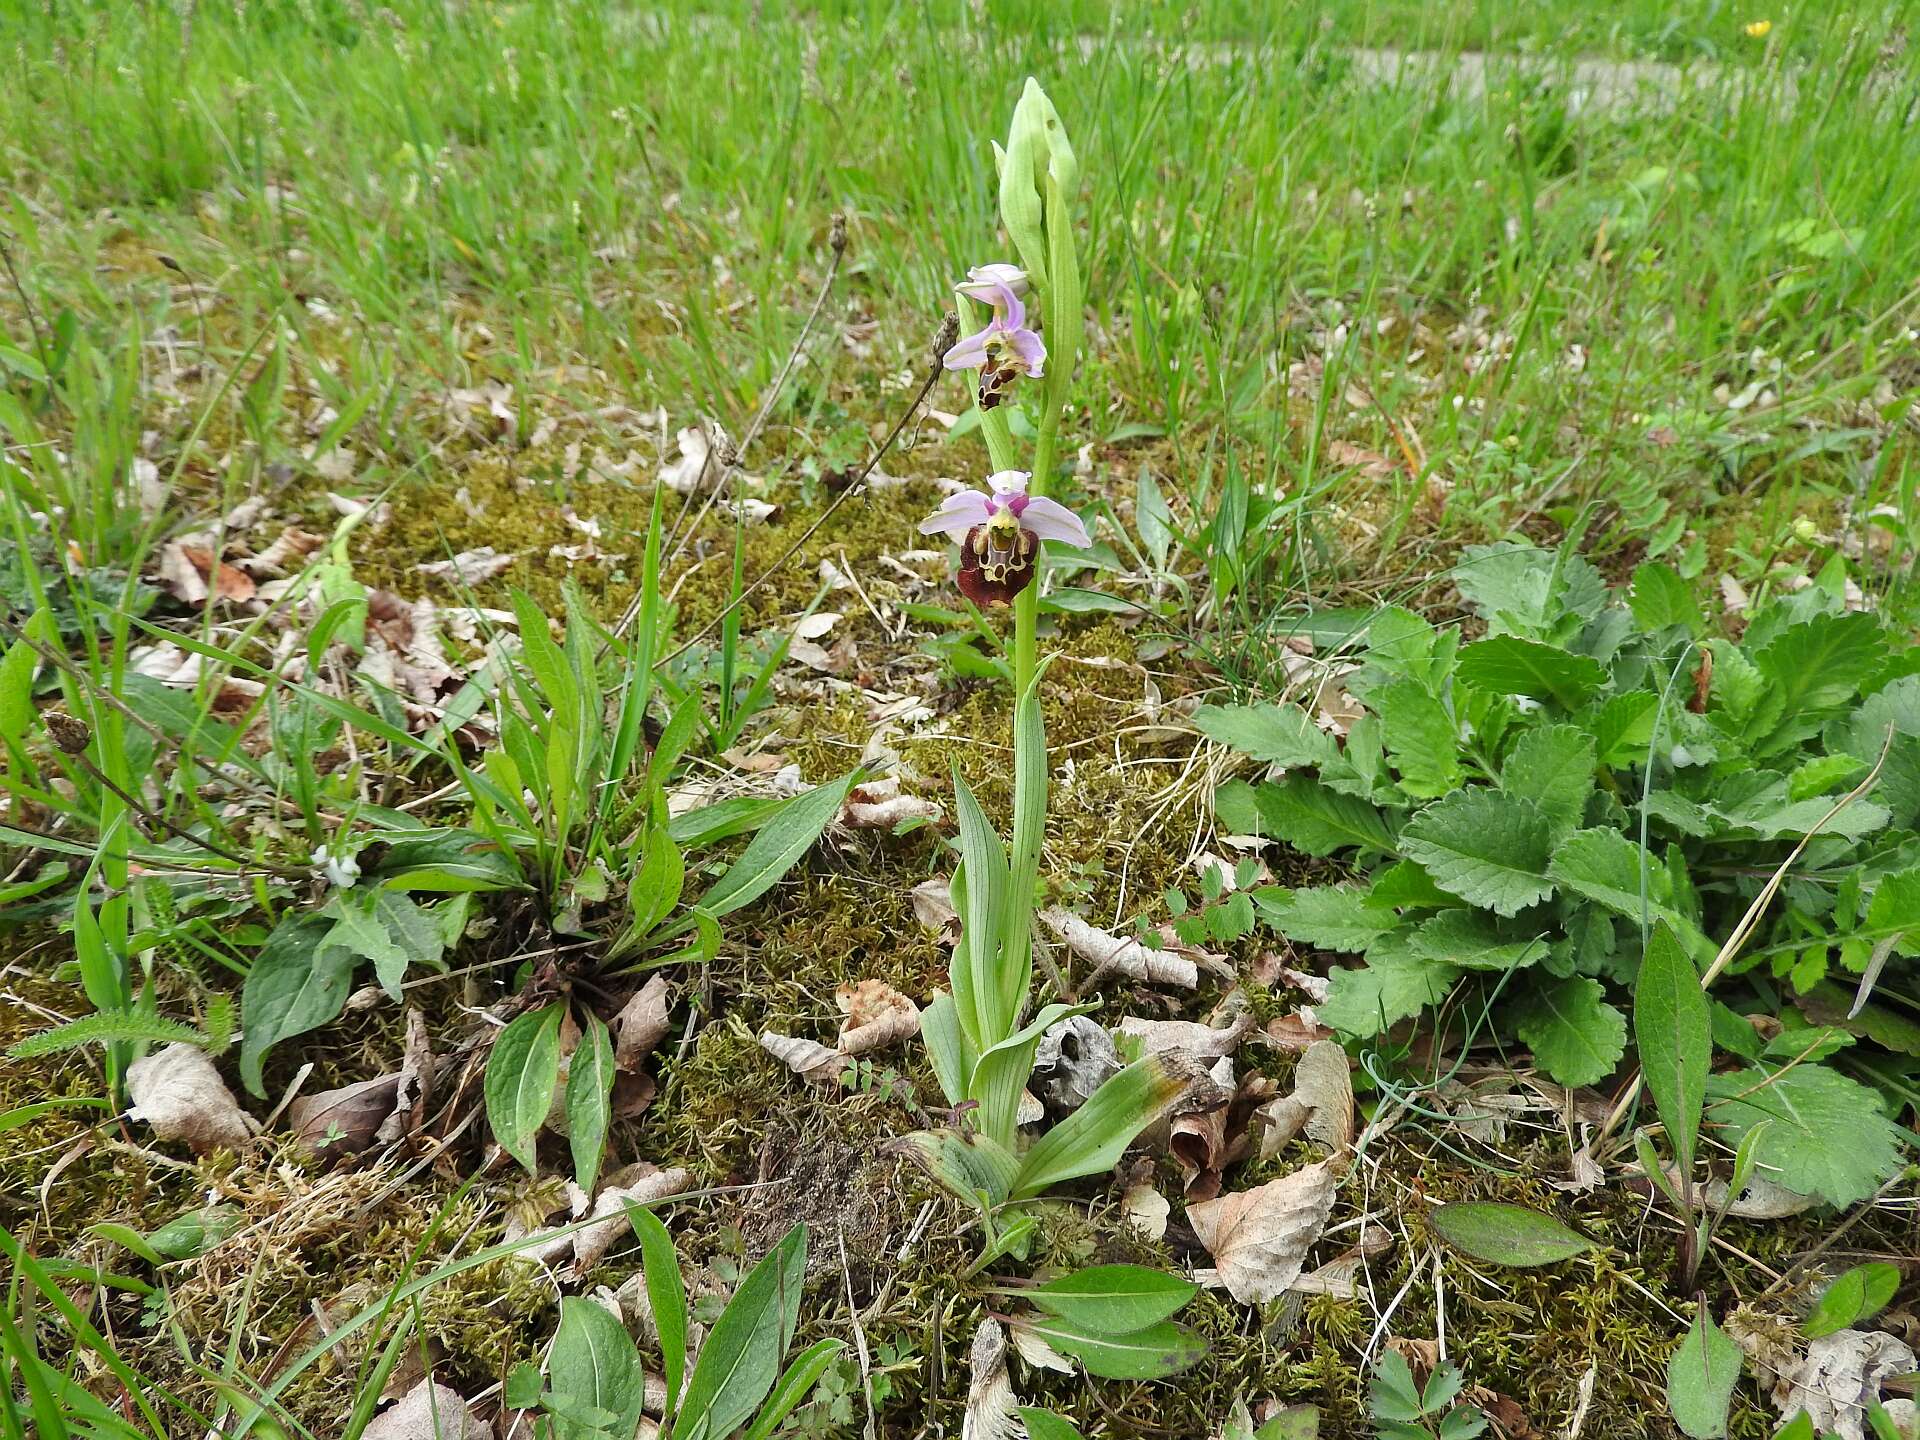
x,y
1259,1238
428,1412
1323,1082
179,1093
591,1242
877,1015
641,1024
345,1121
809,1059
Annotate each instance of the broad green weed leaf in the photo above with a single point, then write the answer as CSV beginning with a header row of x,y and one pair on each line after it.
x,y
1661,598
1606,867
1305,814
521,1073
1332,917
593,1363
1700,1379
1552,766
1394,985
1488,848
1622,726
1045,1425
1504,1234
1474,940
1575,1035
1421,738
1510,665
1274,734
1830,1136
1673,1031
296,984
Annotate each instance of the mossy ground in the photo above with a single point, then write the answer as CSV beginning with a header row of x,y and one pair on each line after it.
x,y
317,1244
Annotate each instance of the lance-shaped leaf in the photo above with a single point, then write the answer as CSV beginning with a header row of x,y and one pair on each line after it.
x,y
952,1055
979,894
590,1076
795,1385
1508,1234
1095,1136
777,848
741,1359
1152,1353
666,1296
1673,1028
521,1073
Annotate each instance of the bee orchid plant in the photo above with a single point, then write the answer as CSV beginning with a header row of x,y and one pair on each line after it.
x,y
981,1034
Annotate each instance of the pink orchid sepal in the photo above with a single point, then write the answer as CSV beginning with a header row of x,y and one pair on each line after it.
x,y
1000,530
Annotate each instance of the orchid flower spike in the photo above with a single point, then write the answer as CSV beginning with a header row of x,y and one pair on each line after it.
x,y
1000,530
1006,349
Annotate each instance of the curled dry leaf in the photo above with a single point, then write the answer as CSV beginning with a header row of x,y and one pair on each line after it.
x,y
179,1093
1146,1210
415,1087
345,1121
1259,1238
1075,1057
1106,951
991,1402
641,1024
591,1242
1190,1037
1294,1032
809,1059
1197,1137
428,1412
877,1015
933,908
1279,1121
469,567
879,805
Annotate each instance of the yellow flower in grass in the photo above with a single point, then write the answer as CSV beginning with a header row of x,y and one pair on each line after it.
x,y
1759,29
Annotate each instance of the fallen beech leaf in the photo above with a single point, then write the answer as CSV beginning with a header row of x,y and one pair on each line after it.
x,y
1074,1058
428,1412
1295,1032
990,1398
188,572
343,1121
1339,1277
933,908
641,1024
1259,1238
591,1242
1323,1083
808,1059
1106,951
179,1093
877,1015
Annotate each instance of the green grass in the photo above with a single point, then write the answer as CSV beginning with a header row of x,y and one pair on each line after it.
x,y
1348,326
